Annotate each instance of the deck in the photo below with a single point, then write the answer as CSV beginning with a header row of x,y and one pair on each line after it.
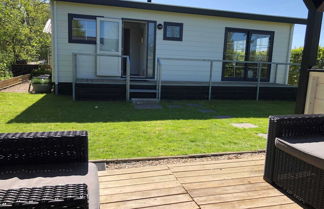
x,y
224,184
121,81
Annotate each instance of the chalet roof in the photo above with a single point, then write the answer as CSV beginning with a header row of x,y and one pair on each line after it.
x,y
191,10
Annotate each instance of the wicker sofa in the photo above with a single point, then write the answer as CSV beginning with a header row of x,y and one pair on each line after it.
x,y
47,170
295,157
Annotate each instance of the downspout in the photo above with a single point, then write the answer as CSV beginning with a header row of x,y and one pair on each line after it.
x,y
291,33
54,45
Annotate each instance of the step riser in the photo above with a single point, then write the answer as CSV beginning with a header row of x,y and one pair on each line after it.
x,y
142,91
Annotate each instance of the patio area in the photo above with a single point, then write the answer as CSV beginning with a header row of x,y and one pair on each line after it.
x,y
236,183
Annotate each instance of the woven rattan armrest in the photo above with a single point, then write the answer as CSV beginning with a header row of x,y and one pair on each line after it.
x,y
54,197
43,147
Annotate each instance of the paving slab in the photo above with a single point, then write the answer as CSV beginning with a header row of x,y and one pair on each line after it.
x,y
194,105
147,106
174,106
265,136
244,125
206,110
223,117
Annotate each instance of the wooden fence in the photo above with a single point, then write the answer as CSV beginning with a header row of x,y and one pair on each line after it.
x,y
14,81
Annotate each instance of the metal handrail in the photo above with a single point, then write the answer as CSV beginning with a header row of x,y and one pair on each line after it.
x,y
211,61
74,72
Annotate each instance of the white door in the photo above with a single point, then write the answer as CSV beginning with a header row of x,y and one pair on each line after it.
x,y
109,33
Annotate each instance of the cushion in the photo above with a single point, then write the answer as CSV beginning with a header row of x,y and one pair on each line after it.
x,y
20,176
309,149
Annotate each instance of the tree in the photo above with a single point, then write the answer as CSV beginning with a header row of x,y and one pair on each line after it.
x,y
296,57
21,31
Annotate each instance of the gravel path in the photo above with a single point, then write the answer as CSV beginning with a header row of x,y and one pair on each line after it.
x,y
137,164
20,88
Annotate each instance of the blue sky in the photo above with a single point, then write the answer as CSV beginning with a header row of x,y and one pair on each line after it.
x,y
291,8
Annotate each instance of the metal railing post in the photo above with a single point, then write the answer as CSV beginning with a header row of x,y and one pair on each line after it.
x,y
127,79
276,73
74,61
234,68
210,80
259,80
160,78
157,80
286,78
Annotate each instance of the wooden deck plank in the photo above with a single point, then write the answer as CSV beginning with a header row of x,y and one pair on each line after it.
x,y
286,206
132,170
142,187
236,196
149,202
225,184
218,171
142,194
185,205
154,179
215,166
216,162
222,183
251,203
192,179
134,175
229,189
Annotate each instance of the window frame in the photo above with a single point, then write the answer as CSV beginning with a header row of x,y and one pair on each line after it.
x,y
249,33
166,38
70,19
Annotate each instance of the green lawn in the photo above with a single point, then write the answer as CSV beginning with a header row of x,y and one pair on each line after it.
x,y
117,130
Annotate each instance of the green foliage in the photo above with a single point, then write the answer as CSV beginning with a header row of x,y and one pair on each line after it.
x,y
40,81
21,31
42,70
296,57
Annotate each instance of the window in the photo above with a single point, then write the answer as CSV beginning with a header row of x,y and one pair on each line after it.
x,y
173,31
109,36
247,45
82,29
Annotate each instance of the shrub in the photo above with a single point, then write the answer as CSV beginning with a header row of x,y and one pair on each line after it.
x,y
296,57
42,70
41,81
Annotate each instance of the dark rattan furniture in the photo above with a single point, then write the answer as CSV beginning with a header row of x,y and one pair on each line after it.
x,y
295,157
47,170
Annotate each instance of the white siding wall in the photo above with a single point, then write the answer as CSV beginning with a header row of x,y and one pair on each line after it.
x,y
203,37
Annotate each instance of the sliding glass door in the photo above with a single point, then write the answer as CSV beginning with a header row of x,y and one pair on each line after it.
x,y
247,45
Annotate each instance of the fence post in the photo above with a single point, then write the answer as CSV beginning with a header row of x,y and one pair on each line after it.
x,y
127,79
259,80
74,58
210,80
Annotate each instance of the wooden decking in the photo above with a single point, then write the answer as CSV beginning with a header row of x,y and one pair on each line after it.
x,y
225,184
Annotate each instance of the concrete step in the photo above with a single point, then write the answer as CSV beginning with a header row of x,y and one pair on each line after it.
x,y
145,101
142,91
